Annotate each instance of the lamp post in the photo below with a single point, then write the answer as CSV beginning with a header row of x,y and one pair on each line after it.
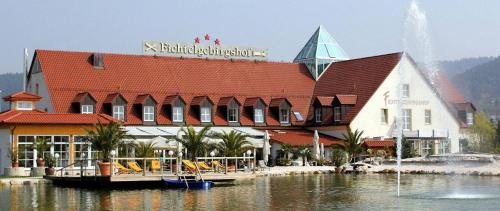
x,y
249,152
179,164
212,154
82,166
113,153
170,153
57,157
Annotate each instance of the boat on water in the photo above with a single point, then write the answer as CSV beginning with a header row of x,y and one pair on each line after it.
x,y
188,183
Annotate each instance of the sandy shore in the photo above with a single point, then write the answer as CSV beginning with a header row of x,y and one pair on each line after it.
x,y
290,170
462,168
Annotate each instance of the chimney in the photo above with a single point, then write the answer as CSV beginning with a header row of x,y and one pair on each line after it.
x,y
98,61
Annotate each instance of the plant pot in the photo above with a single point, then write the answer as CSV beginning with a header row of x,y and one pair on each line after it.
x,y
338,170
104,168
50,171
15,164
40,162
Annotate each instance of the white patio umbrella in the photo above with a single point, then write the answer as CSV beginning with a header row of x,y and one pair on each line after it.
x,y
179,144
322,149
265,148
316,145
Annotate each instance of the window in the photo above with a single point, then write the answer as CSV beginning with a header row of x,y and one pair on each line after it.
x,y
284,116
470,118
177,114
258,115
428,117
149,113
205,114
406,119
383,116
87,109
298,116
83,151
61,146
119,112
318,115
25,151
24,105
406,90
336,114
232,115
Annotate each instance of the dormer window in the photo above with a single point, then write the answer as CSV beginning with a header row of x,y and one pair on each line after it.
x,y
149,113
342,104
83,103
255,107
318,115
24,105
229,107
205,114
174,107
87,109
470,118
177,114
232,115
119,112
280,107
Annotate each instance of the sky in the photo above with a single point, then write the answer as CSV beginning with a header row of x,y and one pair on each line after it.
x,y
457,28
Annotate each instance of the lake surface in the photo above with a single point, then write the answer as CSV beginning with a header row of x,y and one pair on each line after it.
x,y
313,192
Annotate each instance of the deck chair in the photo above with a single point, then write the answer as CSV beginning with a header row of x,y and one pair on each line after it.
x,y
121,169
218,165
155,165
134,166
204,166
262,165
189,165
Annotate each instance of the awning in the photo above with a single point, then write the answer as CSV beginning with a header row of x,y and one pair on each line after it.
x,y
301,137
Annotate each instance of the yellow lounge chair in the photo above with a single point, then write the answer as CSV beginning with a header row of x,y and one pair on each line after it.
x,y
121,169
134,166
218,165
155,165
189,165
204,165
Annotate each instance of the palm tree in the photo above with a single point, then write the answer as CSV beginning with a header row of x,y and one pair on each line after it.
x,y
145,149
304,152
194,141
286,149
352,143
233,143
106,138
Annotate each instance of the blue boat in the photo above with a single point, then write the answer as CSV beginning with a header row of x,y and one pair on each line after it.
x,y
188,184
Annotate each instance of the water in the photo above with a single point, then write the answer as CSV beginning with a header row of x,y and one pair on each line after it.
x,y
315,192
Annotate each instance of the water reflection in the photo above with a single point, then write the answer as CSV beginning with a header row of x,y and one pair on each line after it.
x,y
274,193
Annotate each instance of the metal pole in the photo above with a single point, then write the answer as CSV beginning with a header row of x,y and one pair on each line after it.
x,y
144,167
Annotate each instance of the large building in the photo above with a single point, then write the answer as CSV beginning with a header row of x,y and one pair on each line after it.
x,y
323,89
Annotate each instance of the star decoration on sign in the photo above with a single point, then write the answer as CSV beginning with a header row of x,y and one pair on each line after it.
x,y
217,41
207,37
197,40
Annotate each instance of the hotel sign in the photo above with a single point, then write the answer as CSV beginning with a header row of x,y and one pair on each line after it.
x,y
197,50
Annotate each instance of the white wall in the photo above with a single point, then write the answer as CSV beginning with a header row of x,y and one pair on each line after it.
x,y
369,118
38,77
4,149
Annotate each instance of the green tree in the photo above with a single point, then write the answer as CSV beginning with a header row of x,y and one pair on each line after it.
x,y
106,138
42,145
303,152
145,149
233,143
407,150
484,133
497,135
352,143
339,156
194,141
286,149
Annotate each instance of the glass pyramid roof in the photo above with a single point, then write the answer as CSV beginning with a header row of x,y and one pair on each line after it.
x,y
321,45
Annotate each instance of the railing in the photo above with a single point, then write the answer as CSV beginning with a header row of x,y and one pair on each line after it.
x,y
248,163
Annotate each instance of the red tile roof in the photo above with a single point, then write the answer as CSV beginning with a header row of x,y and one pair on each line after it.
x,y
377,143
80,97
39,117
110,97
253,101
141,99
347,99
22,96
325,101
360,77
447,90
224,101
170,99
301,137
276,102
69,73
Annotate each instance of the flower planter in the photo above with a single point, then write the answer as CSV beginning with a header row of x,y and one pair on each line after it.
x,y
15,164
104,168
40,162
50,171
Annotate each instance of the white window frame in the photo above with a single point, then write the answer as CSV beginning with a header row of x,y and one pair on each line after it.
x,y
428,116
384,113
149,113
258,117
406,90
177,114
284,116
205,114
87,109
337,115
407,119
24,105
119,112
318,114
229,115
469,118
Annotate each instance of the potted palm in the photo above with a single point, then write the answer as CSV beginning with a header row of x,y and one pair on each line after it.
x,y
352,143
42,144
144,150
194,141
106,138
14,157
304,152
338,159
233,144
286,149
50,161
